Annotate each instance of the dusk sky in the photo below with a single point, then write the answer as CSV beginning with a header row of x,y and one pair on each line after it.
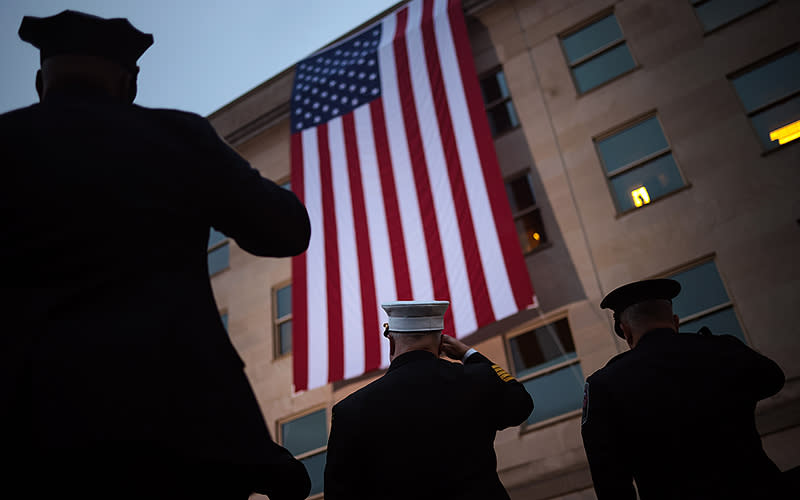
x,y
206,52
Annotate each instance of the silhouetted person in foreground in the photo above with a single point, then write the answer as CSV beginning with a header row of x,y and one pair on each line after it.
x,y
425,430
118,378
676,412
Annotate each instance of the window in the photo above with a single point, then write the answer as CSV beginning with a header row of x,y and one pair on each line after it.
x,y
639,164
283,320
527,216
306,438
287,185
703,301
499,108
716,13
544,360
597,53
770,93
218,252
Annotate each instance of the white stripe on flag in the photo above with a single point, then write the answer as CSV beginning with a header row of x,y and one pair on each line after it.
x,y
350,281
315,264
383,268
449,234
500,293
411,220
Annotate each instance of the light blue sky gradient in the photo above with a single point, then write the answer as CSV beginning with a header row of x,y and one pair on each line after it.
x,y
206,52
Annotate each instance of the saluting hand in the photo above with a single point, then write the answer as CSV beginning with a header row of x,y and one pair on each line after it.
x,y
453,348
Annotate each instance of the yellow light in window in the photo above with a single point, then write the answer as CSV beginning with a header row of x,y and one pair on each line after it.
x,y
786,134
536,236
640,196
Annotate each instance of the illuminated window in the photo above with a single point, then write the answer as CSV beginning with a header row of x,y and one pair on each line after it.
x,y
527,216
306,438
639,164
499,108
544,360
770,94
282,321
218,252
714,14
703,301
597,53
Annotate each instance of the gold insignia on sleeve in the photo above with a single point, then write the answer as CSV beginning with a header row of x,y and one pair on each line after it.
x,y
504,376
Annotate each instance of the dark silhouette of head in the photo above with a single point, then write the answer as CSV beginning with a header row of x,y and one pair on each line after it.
x,y
87,54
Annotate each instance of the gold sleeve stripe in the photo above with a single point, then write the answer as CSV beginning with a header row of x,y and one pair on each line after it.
x,y
504,376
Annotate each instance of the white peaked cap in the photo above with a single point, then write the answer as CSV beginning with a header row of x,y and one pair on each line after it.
x,y
416,315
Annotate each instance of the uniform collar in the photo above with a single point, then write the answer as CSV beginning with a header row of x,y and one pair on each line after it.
x,y
410,357
657,333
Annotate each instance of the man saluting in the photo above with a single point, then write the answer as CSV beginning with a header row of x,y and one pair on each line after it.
x,y
426,428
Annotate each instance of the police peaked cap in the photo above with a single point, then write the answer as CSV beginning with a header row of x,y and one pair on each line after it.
x,y
639,291
72,32
416,315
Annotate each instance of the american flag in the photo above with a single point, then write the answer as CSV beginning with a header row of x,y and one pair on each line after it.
x,y
392,155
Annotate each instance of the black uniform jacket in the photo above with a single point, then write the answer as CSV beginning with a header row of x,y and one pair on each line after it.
x,y
676,413
424,430
110,330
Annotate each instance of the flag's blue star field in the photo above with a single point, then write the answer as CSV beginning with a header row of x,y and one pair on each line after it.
x,y
335,82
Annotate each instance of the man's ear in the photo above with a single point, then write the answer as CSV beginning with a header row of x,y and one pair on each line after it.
x,y
626,331
39,84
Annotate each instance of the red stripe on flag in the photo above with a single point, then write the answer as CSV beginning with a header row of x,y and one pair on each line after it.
x,y
332,278
480,292
397,240
419,167
509,242
299,299
369,307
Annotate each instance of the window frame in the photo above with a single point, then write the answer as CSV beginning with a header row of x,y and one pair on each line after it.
x,y
696,3
541,321
526,172
730,304
774,56
278,321
637,163
310,453
216,246
605,48
498,102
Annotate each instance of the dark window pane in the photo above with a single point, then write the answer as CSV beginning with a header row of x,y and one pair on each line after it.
x,y
530,230
775,118
542,347
701,289
215,237
502,117
769,82
555,393
218,259
658,178
520,193
494,87
284,299
591,38
315,465
305,433
715,13
722,322
285,337
224,319
603,68
632,144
